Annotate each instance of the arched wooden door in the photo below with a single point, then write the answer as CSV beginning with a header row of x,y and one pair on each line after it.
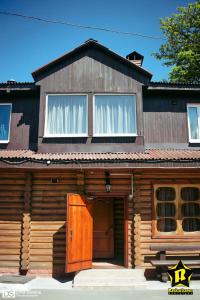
x,y
79,233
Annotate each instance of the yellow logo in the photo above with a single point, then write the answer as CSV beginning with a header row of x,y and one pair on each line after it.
x,y
180,275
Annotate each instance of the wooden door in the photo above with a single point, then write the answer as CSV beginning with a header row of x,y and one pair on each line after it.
x,y
79,229
103,241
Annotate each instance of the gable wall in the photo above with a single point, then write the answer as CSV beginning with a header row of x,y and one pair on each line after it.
x,y
91,72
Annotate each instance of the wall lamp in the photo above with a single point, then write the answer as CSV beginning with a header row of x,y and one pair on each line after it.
x,y
107,174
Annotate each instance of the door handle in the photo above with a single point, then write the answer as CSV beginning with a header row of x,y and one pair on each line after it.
x,y
71,234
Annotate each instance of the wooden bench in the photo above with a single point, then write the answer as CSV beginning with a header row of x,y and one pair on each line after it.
x,y
162,263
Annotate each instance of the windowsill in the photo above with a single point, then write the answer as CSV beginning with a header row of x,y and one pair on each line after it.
x,y
4,142
197,141
65,136
115,135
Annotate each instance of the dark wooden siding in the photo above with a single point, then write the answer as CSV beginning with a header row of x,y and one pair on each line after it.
x,y
91,72
165,118
24,120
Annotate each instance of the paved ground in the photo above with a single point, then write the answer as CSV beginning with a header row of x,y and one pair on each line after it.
x,y
52,289
101,295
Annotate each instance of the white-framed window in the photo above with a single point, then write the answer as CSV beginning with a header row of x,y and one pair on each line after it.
x,y
66,115
5,120
114,115
193,114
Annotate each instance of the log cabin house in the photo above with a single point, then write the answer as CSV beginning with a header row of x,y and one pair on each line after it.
x,y
97,163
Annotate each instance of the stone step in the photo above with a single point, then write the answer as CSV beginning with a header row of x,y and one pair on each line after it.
x,y
109,277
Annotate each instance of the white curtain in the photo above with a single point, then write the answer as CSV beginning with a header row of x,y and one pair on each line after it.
x,y
66,115
115,114
193,122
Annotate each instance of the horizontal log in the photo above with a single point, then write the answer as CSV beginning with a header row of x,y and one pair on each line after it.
x,y
11,188
44,199
4,238
7,263
14,181
10,232
9,257
54,187
48,233
6,251
10,194
60,204
56,251
48,184
43,259
46,226
10,245
14,205
52,211
46,239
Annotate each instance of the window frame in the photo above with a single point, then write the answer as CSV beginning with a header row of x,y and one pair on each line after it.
x,y
9,125
197,105
112,134
179,233
48,135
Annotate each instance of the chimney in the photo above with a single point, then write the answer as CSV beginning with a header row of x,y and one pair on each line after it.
x,y
11,81
136,58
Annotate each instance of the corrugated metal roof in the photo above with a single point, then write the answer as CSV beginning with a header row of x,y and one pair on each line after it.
x,y
173,84
148,155
16,83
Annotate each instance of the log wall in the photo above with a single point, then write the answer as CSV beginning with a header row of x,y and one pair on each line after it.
x,y
33,216
143,190
12,189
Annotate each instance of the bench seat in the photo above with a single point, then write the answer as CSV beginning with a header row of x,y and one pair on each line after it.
x,y
157,263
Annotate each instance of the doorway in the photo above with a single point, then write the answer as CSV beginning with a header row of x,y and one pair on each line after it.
x,y
108,232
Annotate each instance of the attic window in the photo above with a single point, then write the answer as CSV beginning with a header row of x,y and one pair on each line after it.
x,y
66,115
114,115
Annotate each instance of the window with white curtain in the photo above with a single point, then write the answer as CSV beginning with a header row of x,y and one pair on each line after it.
x,y
194,122
114,115
66,116
5,118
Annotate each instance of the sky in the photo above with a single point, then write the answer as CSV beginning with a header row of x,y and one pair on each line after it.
x,y
25,45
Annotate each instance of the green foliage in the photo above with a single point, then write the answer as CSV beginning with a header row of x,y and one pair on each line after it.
x,y
182,47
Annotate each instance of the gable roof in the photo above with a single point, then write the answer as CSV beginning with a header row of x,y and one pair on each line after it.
x,y
86,45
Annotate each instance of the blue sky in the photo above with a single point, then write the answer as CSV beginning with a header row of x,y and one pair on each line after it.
x,y
26,45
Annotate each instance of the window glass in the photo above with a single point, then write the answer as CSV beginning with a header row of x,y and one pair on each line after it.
x,y
166,210
190,194
190,210
191,224
5,113
166,225
165,194
66,115
193,122
114,115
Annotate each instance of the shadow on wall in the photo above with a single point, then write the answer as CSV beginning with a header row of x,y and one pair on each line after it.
x,y
24,122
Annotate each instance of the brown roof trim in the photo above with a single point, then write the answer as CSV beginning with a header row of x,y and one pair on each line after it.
x,y
85,45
